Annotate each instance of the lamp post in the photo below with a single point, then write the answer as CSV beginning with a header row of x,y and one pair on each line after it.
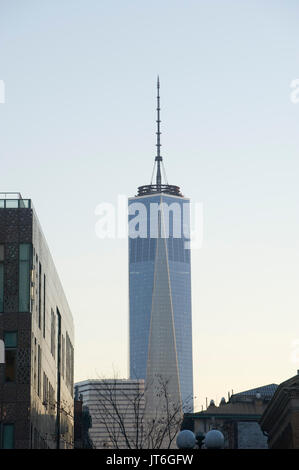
x,y
200,437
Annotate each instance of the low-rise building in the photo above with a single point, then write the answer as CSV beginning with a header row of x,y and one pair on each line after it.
x,y
238,418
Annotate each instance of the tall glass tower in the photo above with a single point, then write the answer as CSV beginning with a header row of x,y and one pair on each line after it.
x,y
160,322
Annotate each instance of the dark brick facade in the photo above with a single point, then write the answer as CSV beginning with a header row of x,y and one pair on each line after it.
x,y
24,403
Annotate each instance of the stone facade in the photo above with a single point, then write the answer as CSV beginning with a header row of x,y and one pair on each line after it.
x,y
281,418
238,418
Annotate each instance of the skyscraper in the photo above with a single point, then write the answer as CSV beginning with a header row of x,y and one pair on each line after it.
x,y
160,325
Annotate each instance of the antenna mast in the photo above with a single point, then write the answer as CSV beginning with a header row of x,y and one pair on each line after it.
x,y
158,158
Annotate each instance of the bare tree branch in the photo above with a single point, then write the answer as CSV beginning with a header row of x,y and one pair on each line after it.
x,y
126,421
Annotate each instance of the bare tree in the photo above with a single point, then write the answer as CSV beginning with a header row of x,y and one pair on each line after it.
x,y
128,423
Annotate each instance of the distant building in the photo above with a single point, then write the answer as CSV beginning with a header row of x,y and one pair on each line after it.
x,y
82,424
112,403
280,420
36,381
238,419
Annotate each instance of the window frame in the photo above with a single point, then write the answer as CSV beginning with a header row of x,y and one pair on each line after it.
x,y
9,349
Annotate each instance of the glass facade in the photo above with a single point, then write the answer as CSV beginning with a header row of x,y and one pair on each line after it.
x,y
8,436
160,290
15,203
10,341
24,277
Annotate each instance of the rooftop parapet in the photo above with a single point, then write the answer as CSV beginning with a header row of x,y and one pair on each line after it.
x,y
159,188
13,200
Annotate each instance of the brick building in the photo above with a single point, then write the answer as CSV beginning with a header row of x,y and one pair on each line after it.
x,y
36,380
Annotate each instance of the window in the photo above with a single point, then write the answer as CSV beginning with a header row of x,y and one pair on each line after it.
x,y
1,278
62,355
35,439
69,364
12,203
39,295
58,390
52,404
8,436
34,365
10,341
24,277
67,360
39,370
72,371
45,390
53,333
44,308
35,282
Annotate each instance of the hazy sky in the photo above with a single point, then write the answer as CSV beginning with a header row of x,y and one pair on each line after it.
x,y
78,129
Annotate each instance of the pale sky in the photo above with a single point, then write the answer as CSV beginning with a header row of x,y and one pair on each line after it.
x,y
78,128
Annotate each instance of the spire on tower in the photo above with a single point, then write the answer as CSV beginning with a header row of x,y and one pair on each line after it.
x,y
159,187
158,158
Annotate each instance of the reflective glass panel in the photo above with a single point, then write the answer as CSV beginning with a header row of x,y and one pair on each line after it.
x,y
8,436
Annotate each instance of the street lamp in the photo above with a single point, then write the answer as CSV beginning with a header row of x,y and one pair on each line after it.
x,y
186,439
214,439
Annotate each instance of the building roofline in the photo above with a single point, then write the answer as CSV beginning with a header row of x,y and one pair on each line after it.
x,y
131,198
235,416
279,399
